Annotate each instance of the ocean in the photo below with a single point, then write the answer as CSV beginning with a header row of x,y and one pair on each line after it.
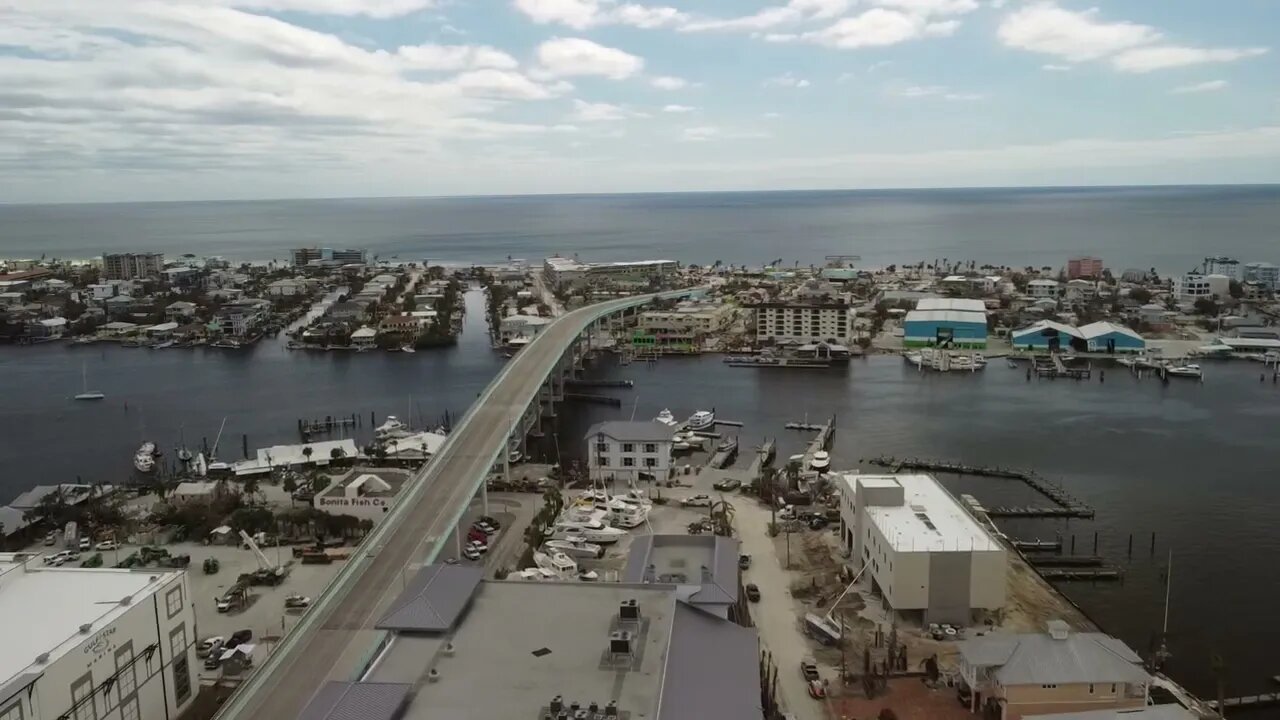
x,y
1169,228
1193,463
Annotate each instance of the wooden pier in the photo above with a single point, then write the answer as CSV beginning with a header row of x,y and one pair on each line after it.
x,y
599,383
596,399
1053,366
1098,573
1037,545
808,426
325,425
724,454
1067,506
1247,701
1049,561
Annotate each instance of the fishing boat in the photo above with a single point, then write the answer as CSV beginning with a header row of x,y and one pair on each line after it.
x,y
145,458
666,418
86,393
702,420
821,461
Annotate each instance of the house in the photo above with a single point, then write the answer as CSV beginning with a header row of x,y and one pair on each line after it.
x,y
117,328
194,492
402,324
118,306
345,311
286,288
925,554
1042,288
242,319
49,328
180,311
163,331
521,326
1080,290
1027,674
1111,338
1155,315
11,299
629,450
365,337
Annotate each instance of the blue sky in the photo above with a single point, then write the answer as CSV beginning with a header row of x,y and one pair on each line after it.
x,y
196,99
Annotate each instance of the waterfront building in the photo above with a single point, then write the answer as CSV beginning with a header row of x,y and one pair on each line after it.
x,y
1109,337
1084,266
524,327
318,454
1057,671
629,451
958,304
1191,287
569,273
95,643
130,266
704,568
302,257
242,319
287,287
1263,273
924,553
801,323
365,495
945,328
1043,288
621,650
180,311
1080,290
1048,335
345,311
686,324
365,337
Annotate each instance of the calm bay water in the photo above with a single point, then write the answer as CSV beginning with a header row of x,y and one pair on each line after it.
x,y
1170,228
1193,463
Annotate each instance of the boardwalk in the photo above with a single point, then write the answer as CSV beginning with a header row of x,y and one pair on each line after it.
x,y
1067,506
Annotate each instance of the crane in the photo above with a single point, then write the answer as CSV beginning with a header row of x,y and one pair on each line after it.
x,y
263,562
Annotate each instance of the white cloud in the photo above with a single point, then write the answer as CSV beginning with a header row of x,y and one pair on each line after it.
x,y
794,11
927,91
1051,67
697,134
1080,36
504,84
583,14
597,112
454,57
1208,86
786,80
712,132
1075,36
1162,57
679,109
877,28
381,9
567,57
771,115
930,7
667,82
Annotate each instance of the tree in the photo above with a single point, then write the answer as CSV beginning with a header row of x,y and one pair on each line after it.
x,y
306,452
1141,295
1235,289
290,486
1206,306
337,454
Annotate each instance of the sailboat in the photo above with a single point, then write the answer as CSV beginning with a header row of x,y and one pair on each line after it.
x,y
88,394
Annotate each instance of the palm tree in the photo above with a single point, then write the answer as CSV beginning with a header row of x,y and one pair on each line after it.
x,y
306,453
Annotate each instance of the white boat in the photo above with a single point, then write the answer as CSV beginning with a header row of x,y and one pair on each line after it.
x,y
574,547
408,349
562,566
1190,370
391,429
666,418
626,514
584,512
1126,362
535,575
86,393
145,458
702,420
821,461
592,531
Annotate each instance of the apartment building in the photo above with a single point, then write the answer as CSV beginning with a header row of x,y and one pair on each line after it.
x,y
629,451
130,266
799,323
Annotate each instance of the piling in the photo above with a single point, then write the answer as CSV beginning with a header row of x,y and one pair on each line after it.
x,y
1073,544
1131,545
1153,544
244,442
1095,542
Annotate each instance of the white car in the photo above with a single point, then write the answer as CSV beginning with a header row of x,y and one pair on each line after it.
x,y
61,558
697,501
471,553
108,545
222,604
208,645
85,544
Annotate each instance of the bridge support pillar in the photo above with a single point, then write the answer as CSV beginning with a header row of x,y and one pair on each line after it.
x,y
484,486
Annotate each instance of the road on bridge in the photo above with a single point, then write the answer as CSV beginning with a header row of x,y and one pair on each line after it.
x,y
342,635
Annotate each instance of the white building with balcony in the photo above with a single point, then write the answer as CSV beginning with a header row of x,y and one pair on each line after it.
x,y
1043,288
1191,287
801,323
94,644
627,451
923,552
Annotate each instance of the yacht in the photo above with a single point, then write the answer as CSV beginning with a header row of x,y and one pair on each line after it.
x,y
666,418
585,512
821,461
145,458
574,547
392,429
626,514
1189,371
562,566
702,420
592,531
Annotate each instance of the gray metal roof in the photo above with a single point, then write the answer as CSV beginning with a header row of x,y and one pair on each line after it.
x,y
712,671
1038,659
433,599
356,701
11,520
722,585
632,431
1155,712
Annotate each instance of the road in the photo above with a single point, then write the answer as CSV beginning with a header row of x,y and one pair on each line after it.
x,y
334,640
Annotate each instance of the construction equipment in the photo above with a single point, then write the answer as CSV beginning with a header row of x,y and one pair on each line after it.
x,y
268,573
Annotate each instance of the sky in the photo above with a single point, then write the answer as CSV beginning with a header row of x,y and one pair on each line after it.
x,y
123,100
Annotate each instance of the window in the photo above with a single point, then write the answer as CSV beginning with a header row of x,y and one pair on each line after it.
x,y
82,698
1051,687
602,447
1113,688
651,462
126,673
651,447
130,710
181,667
628,447
628,462
173,601
604,461
13,712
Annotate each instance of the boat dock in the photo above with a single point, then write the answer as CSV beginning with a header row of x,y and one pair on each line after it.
x,y
595,399
724,454
1037,545
1067,560
1053,366
1067,506
1064,573
325,425
599,383
764,457
1247,701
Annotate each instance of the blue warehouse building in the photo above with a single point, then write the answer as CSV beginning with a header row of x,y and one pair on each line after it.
x,y
945,328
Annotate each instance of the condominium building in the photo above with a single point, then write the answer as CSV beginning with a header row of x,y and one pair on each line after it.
x,y
1193,286
306,256
1263,273
565,273
130,266
686,322
800,323
1084,267
94,644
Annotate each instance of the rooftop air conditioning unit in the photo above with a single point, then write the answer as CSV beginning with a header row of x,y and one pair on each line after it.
x,y
86,628
433,675
629,611
620,642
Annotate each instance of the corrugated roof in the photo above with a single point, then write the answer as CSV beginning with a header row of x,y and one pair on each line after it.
x,y
433,599
1038,659
1155,712
958,316
356,701
712,669
963,304
632,431
1102,327
1039,327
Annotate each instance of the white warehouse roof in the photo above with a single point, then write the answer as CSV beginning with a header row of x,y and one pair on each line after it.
x,y
953,316
967,304
929,518
1041,326
1100,328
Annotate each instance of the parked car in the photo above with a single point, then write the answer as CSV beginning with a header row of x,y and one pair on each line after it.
x,y
50,539
108,545
809,670
470,553
484,527
210,645
61,558
223,604
487,519
728,485
817,689
697,501
297,602
753,592
744,561
85,544
213,660
476,534
480,546
240,637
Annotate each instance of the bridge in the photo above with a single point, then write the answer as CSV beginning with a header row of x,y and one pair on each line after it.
x,y
336,639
